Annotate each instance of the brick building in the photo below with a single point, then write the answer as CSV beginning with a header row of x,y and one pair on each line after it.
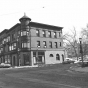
x,y
31,43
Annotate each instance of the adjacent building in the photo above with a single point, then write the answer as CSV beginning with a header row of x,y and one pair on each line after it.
x,y
31,43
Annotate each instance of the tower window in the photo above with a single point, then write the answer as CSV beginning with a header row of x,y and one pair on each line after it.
x,y
25,45
23,33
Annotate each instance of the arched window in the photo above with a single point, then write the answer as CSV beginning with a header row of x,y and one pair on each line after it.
x,y
51,55
57,57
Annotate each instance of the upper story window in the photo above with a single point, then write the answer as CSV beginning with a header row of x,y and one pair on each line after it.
x,y
3,41
49,34
59,34
13,46
44,44
55,35
50,44
38,43
13,36
44,33
24,33
37,33
25,45
8,39
10,48
55,44
1,49
18,33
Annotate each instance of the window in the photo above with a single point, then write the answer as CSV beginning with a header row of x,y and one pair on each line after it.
x,y
27,33
49,33
8,38
44,44
50,44
59,34
38,43
44,34
13,36
37,33
60,44
51,55
41,53
25,45
23,33
55,44
54,34
3,41
13,47
18,32
10,48
1,49
57,57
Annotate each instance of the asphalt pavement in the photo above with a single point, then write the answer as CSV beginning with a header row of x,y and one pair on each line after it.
x,y
52,76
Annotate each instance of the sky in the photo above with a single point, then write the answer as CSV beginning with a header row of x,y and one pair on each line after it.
x,y
63,13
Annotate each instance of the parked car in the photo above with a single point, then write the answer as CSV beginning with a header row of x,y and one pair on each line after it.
x,y
77,61
68,61
4,65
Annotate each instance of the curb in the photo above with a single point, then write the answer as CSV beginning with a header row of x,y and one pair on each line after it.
x,y
17,67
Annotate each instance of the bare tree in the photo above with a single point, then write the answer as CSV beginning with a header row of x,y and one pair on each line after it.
x,y
71,39
84,35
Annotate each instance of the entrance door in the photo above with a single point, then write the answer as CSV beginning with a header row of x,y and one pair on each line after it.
x,y
40,59
14,61
26,59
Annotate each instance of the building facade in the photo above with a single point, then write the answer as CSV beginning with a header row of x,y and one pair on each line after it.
x,y
31,43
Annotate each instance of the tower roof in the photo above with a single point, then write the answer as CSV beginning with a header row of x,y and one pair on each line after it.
x,y
25,17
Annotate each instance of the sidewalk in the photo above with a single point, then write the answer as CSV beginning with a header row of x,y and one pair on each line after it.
x,y
18,67
80,69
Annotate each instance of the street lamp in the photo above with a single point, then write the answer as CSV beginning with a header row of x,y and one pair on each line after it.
x,y
81,51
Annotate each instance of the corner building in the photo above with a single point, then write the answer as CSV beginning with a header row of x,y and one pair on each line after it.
x,y
31,43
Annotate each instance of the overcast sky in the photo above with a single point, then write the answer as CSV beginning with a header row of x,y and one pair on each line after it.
x,y
64,13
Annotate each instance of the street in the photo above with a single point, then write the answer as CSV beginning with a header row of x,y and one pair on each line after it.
x,y
55,76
